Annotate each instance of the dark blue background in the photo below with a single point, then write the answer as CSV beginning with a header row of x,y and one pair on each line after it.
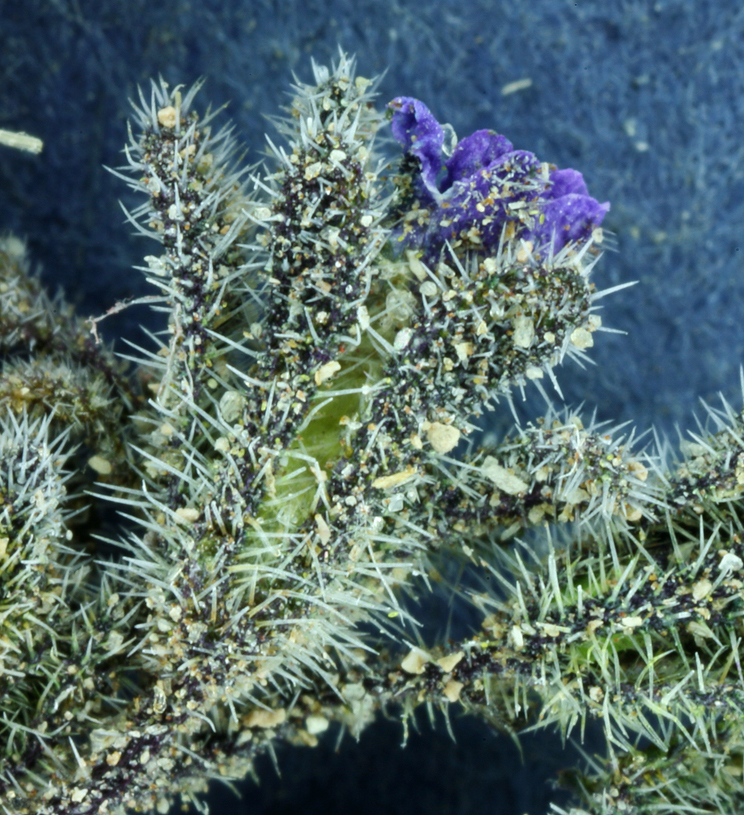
x,y
646,99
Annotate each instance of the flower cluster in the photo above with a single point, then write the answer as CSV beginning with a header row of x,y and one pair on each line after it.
x,y
298,452
486,191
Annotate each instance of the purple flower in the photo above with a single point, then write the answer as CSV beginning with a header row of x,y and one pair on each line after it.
x,y
421,136
484,186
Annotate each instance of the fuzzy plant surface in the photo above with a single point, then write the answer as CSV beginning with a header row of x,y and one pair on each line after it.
x,y
297,455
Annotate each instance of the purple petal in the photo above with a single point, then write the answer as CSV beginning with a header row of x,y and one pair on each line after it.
x,y
571,217
420,134
479,204
474,153
566,182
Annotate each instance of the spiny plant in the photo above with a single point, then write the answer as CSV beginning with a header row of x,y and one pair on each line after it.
x,y
297,453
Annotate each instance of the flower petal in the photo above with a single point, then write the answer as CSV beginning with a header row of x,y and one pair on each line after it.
x,y
421,135
473,153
